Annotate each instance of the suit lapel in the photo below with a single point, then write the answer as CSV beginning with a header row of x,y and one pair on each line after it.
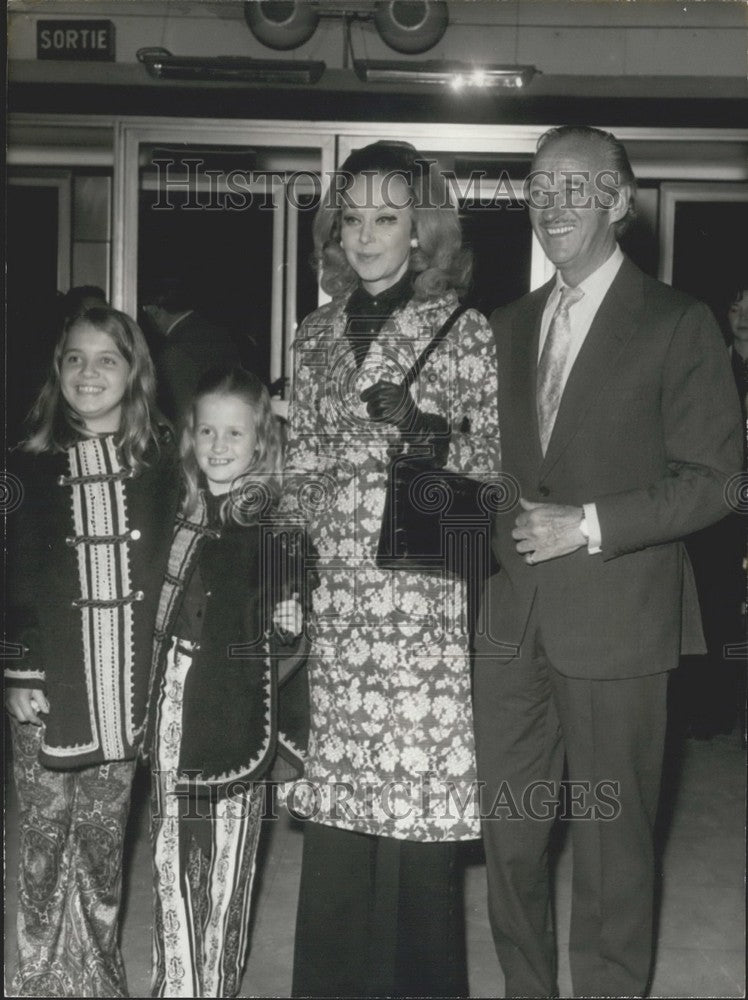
x,y
611,330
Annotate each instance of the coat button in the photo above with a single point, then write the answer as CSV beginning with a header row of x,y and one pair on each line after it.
x,y
135,534
543,491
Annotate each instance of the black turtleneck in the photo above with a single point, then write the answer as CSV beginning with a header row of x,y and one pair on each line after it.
x,y
367,313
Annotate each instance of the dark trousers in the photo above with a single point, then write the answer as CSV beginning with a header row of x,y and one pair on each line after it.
x,y
528,718
378,917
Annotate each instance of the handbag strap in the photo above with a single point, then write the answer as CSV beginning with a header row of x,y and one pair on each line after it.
x,y
413,372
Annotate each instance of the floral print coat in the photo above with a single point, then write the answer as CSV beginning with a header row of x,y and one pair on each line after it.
x,y
391,745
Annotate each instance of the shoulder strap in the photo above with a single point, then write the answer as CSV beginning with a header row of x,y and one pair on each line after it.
x,y
412,374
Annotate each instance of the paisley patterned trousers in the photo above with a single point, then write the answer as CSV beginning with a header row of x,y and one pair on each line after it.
x,y
204,863
70,873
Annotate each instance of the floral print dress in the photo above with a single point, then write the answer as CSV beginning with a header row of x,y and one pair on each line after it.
x,y
391,745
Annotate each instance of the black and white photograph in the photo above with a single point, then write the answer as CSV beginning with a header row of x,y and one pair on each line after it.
x,y
375,498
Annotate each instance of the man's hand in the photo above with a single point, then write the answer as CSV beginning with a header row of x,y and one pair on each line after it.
x,y
25,704
547,530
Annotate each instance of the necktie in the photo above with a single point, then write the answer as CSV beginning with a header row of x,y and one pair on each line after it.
x,y
552,363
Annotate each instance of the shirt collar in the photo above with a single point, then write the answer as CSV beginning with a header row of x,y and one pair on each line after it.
x,y
595,285
361,303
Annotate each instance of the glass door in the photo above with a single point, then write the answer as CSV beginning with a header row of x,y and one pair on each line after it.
x,y
38,248
223,210
703,241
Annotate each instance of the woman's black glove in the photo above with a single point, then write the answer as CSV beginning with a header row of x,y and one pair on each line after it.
x,y
389,403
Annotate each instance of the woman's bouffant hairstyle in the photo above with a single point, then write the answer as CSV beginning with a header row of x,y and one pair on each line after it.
x,y
438,263
253,493
53,424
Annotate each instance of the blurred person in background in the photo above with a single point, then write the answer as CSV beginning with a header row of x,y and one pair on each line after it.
x,y
187,344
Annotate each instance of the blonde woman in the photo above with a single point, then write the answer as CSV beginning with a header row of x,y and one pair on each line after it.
x,y
380,909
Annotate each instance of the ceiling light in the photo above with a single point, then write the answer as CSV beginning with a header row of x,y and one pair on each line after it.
x,y
444,73
162,65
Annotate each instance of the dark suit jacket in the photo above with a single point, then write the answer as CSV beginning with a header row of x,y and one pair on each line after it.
x,y
193,347
648,429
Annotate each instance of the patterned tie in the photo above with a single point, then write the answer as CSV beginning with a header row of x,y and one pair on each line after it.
x,y
552,363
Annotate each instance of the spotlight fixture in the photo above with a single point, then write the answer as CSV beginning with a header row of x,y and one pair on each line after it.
x,y
282,24
456,75
162,65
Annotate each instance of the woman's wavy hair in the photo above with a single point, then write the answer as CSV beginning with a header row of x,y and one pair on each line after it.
x,y
438,263
53,424
254,492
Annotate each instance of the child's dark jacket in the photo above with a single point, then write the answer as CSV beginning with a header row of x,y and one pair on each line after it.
x,y
87,548
239,723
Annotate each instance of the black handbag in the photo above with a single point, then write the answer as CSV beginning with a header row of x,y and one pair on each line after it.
x,y
434,521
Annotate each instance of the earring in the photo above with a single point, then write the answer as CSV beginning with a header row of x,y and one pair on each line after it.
x,y
414,243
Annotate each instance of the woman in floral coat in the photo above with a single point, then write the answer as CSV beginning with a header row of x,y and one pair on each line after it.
x,y
390,780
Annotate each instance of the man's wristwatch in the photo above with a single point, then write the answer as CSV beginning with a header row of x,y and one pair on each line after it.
x,y
584,529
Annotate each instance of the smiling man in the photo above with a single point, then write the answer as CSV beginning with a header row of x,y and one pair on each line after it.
x,y
620,424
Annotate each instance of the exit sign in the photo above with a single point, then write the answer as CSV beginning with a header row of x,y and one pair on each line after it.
x,y
84,41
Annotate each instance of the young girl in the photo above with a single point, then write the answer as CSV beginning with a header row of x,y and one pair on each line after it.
x,y
87,549
214,717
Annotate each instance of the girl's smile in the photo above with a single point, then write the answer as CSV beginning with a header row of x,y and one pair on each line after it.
x,y
93,377
225,439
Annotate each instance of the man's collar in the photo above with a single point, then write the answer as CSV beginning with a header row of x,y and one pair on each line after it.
x,y
602,276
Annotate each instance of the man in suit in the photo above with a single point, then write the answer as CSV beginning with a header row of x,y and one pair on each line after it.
x,y
189,344
619,422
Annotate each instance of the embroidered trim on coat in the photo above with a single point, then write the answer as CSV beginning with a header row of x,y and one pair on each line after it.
x,y
184,549
98,498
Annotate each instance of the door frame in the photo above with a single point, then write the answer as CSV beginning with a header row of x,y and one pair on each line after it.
x,y
62,180
670,195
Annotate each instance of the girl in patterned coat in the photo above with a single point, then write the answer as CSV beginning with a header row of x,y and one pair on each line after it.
x,y
390,773
97,482
227,708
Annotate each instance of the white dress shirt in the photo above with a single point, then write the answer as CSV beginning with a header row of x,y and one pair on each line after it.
x,y
581,314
